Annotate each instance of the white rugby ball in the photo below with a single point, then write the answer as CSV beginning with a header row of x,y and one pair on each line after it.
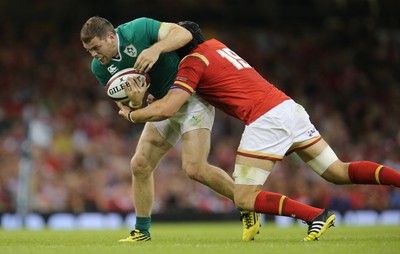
x,y
114,87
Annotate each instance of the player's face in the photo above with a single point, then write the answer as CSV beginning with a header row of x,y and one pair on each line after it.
x,y
102,50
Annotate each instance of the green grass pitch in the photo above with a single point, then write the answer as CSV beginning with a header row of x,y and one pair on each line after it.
x,y
204,238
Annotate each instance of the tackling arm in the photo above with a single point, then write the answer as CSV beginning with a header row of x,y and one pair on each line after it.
x,y
158,110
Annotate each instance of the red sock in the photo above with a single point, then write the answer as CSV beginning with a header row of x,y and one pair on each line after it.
x,y
366,172
278,204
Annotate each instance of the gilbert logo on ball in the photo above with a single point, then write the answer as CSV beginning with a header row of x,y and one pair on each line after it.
x,y
114,87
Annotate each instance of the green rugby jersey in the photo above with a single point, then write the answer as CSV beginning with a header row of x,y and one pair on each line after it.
x,y
134,37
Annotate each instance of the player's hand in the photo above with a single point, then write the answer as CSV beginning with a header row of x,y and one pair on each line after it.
x,y
135,89
124,111
146,59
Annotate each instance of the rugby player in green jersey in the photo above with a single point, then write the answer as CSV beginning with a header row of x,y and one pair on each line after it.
x,y
149,46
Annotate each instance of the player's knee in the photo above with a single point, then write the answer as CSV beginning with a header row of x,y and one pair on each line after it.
x,y
193,171
140,166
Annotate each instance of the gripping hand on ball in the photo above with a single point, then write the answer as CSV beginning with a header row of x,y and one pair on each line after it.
x,y
135,88
124,111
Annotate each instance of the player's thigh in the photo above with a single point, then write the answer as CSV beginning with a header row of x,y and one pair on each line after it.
x,y
195,147
151,146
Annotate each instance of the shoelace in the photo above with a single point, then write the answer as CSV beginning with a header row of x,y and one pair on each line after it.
x,y
247,219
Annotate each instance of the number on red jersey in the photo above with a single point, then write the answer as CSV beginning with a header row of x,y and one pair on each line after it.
x,y
232,57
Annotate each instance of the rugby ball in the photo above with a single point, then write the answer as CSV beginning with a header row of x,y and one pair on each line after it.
x,y
114,87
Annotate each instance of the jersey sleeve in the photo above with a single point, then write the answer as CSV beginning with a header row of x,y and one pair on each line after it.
x,y
142,29
190,71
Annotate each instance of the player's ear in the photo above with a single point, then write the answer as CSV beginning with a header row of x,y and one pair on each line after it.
x,y
111,35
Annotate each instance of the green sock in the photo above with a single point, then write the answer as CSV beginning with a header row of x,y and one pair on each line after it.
x,y
143,224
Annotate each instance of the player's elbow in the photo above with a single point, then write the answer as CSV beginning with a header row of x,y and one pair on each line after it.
x,y
184,34
188,36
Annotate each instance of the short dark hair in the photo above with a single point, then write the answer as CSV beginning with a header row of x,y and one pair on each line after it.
x,y
198,37
96,27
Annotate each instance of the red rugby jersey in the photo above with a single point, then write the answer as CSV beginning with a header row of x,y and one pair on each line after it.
x,y
227,82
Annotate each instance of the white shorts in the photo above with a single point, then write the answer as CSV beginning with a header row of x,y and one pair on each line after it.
x,y
278,132
195,114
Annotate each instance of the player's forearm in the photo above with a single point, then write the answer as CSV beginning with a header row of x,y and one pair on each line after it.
x,y
152,113
160,109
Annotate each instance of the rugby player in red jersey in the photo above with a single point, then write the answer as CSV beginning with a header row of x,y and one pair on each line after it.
x,y
149,46
275,126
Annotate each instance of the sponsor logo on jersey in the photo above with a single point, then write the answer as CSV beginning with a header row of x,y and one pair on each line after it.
x,y
130,50
112,69
311,132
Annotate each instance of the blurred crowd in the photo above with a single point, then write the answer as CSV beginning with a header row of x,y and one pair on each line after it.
x,y
345,72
